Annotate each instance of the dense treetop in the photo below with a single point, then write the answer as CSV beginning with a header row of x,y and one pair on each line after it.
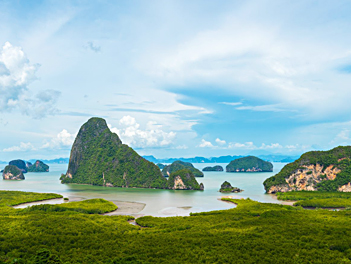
x,y
250,163
179,165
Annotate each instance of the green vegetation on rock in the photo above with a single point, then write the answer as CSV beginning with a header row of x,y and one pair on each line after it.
x,y
179,165
339,158
160,165
249,164
183,179
12,172
98,157
252,232
19,164
214,168
226,187
38,166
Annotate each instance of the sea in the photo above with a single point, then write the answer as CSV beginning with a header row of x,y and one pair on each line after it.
x,y
157,202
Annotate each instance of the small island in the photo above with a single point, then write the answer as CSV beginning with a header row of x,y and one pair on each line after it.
x,y
179,165
20,164
249,164
12,172
38,166
214,168
226,187
160,165
183,180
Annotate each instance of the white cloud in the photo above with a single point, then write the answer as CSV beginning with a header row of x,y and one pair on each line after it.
x,y
263,108
63,139
246,145
181,147
231,103
153,136
16,73
220,142
22,147
205,144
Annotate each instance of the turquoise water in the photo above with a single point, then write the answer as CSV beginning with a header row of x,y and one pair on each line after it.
x,y
158,202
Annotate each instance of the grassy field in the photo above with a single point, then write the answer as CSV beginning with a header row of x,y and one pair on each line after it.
x,y
252,232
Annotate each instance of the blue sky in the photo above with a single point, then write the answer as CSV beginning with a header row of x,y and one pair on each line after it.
x,y
176,78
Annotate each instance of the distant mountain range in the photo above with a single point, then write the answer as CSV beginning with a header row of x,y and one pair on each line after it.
x,y
223,159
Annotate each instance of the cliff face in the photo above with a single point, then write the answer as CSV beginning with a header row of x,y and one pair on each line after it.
x,y
12,172
183,180
315,170
38,166
249,164
98,157
180,165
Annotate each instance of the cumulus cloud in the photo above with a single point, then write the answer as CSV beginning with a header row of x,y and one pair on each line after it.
x,y
220,142
16,73
252,146
63,139
205,144
22,147
152,136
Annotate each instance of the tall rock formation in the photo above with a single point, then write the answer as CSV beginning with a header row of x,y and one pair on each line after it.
x,y
98,157
315,170
12,172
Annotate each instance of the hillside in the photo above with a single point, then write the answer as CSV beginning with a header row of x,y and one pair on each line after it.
x,y
183,180
98,157
179,165
249,164
315,170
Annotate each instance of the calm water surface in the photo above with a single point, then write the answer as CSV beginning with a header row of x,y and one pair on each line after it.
x,y
158,202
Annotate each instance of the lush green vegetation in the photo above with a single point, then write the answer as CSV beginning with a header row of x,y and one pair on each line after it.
x,y
15,171
214,168
339,157
92,206
160,165
179,165
317,199
250,233
11,198
98,157
249,163
188,179
38,166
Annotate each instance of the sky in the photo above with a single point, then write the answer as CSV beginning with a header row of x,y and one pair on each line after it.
x,y
175,78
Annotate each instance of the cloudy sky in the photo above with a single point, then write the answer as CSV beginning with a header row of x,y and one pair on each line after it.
x,y
176,78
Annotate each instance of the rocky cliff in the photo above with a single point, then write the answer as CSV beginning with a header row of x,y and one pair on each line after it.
x,y
38,166
227,187
183,180
249,164
315,170
180,165
98,157
12,172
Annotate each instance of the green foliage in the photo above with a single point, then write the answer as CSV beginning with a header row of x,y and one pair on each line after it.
x,y
187,177
249,163
317,199
160,165
214,168
15,171
11,198
250,233
99,158
38,166
179,165
91,206
339,157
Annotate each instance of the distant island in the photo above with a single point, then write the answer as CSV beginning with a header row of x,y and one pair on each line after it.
x,y
12,172
98,157
214,168
226,187
38,166
179,165
315,170
249,164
